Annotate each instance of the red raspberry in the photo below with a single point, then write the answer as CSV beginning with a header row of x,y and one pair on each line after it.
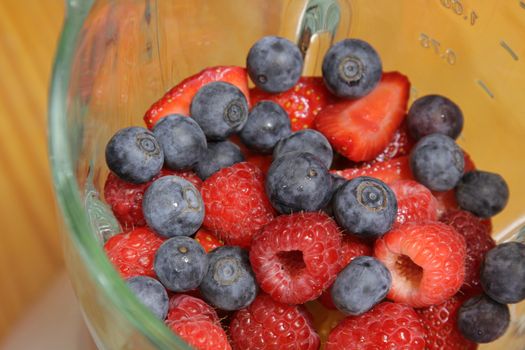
x,y
208,240
415,202
125,198
133,253
236,204
440,325
201,334
351,247
184,307
269,325
295,257
387,326
427,262
479,242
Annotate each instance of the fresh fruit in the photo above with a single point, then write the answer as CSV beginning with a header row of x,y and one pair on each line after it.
x,y
201,334
440,322
180,264
269,325
482,193
220,109
302,103
361,129
426,260
503,273
235,203
351,68
295,257
309,141
182,141
261,161
400,145
298,182
432,114
172,206
218,155
134,155
479,242
483,320
229,283
178,99
208,240
388,172
150,293
415,202
185,307
437,162
360,285
267,124
365,206
132,253
274,64
386,326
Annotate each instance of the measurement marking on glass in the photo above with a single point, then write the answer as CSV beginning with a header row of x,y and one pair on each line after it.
x,y
509,50
485,88
522,4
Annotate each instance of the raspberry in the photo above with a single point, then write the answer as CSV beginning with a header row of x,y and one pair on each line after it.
x,y
295,257
235,203
125,198
427,262
415,203
184,307
267,325
386,326
440,324
479,242
133,253
208,240
201,334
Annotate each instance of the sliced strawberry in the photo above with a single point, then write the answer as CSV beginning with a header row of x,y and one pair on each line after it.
x,y
261,161
415,202
389,171
178,98
302,103
208,240
361,129
399,146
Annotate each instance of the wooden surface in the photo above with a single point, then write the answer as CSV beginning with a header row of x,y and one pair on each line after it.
x,y
30,251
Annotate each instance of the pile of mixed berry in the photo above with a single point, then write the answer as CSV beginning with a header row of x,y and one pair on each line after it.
x,y
239,206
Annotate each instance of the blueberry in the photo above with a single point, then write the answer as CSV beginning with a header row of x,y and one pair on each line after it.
x,y
298,182
437,162
351,68
308,140
218,155
274,64
503,273
482,193
482,319
151,293
180,264
434,114
229,283
365,206
134,155
362,284
182,141
267,124
172,206
220,109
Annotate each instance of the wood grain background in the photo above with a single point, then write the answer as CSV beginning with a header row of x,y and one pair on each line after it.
x,y
30,252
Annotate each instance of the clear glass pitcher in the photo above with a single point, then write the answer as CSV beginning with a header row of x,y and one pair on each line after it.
x,y
116,58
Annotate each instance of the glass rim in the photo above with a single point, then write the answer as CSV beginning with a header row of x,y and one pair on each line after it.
x,y
68,196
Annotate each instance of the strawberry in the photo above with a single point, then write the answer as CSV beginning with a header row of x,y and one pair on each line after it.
x,y
208,240
388,171
201,334
440,325
479,242
178,99
415,202
183,307
426,260
386,326
261,161
360,129
302,103
400,145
